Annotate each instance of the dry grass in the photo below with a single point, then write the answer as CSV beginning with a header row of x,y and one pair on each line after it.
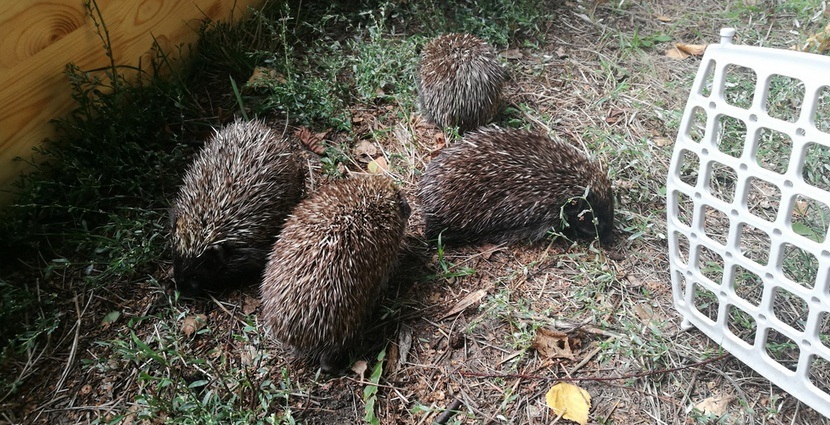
x,y
598,78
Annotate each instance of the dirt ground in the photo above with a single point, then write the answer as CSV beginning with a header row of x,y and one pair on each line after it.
x,y
465,342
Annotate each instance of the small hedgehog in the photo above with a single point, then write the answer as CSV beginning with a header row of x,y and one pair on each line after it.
x,y
501,185
233,201
331,263
459,81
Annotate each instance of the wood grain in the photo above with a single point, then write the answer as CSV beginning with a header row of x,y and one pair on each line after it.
x,y
39,37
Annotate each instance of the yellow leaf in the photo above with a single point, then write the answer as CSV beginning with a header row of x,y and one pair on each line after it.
x,y
570,401
378,165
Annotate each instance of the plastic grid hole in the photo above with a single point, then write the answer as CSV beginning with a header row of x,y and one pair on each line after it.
x,y
754,244
820,373
822,116
747,285
682,248
685,208
739,85
705,302
816,167
697,125
722,180
711,265
798,265
810,218
689,167
715,224
762,198
790,309
782,350
708,79
784,97
824,329
741,324
773,150
731,135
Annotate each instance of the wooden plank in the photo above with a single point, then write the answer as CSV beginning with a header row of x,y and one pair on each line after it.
x,y
39,37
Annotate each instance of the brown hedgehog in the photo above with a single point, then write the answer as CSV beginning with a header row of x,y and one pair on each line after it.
x,y
459,81
330,264
233,201
499,185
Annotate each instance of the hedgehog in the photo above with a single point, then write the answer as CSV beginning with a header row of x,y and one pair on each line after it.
x,y
233,200
502,185
459,81
330,265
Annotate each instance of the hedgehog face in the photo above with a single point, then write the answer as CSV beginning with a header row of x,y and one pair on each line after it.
x,y
590,218
220,266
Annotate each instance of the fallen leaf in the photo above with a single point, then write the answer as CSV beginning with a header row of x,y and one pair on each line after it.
x,y
193,324
365,151
313,141
800,208
262,73
378,166
110,318
561,53
714,405
470,299
553,344
487,250
359,367
692,49
662,18
614,116
570,401
644,312
663,141
675,53
511,54
250,305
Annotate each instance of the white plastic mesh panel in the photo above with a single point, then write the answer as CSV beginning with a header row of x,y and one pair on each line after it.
x,y
748,211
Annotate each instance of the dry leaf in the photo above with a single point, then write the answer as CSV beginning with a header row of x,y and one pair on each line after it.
x,y
359,367
378,165
800,208
487,250
714,405
553,344
470,299
662,18
313,141
511,54
570,401
365,151
250,305
675,53
614,116
663,141
262,73
193,324
692,49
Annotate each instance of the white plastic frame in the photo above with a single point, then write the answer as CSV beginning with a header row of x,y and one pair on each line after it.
x,y
689,240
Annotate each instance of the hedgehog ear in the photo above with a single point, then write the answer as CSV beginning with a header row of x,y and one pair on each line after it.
x,y
218,253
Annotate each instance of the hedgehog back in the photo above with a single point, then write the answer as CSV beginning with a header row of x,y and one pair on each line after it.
x,y
331,262
459,81
500,185
235,196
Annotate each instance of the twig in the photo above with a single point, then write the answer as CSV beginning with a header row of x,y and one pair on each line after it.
x,y
446,415
592,378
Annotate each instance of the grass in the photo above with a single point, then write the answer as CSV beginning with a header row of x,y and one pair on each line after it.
x,y
87,298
